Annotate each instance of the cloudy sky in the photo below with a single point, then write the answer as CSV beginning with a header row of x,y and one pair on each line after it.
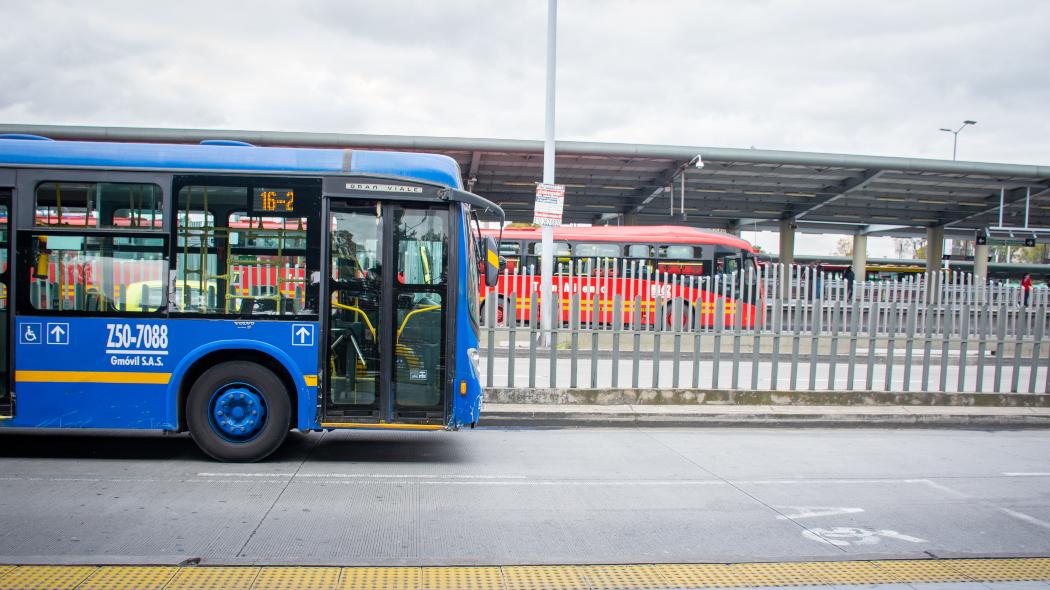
x,y
814,75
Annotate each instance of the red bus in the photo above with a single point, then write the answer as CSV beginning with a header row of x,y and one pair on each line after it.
x,y
657,272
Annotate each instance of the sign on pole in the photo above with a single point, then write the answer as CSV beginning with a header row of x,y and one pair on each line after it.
x,y
550,201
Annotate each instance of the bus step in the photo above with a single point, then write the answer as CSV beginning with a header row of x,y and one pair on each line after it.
x,y
382,426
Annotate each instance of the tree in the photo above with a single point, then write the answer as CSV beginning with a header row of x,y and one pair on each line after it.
x,y
910,247
1034,255
844,247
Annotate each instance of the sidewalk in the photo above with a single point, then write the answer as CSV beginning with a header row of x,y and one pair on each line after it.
x,y
568,416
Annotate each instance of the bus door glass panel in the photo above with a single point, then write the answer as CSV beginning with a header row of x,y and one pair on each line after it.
x,y
421,246
5,393
355,327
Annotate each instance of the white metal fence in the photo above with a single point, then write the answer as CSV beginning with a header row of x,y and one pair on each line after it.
x,y
623,324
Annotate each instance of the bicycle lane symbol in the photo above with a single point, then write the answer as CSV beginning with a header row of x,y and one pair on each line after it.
x,y
30,333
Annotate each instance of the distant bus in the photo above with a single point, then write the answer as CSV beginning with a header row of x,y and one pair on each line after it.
x,y
651,266
236,292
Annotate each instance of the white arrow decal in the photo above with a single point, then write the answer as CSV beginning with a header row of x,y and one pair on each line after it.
x,y
846,536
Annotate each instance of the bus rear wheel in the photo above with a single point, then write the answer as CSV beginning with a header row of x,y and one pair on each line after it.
x,y
238,411
501,317
685,312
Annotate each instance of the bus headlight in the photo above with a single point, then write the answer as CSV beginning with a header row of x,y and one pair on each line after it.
x,y
475,361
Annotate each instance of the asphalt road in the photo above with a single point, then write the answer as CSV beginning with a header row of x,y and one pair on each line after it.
x,y
529,496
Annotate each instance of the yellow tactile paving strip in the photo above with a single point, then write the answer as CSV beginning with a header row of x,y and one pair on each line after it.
x,y
139,578
554,577
52,577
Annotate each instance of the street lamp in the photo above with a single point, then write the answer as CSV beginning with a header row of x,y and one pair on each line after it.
x,y
955,139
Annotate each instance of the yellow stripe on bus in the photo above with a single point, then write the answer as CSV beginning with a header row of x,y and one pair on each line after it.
x,y
92,377
311,380
386,426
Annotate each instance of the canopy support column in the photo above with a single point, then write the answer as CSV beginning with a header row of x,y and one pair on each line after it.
x,y
787,253
934,249
980,263
860,256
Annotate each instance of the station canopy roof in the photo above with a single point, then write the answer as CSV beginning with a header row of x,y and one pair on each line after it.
x,y
736,189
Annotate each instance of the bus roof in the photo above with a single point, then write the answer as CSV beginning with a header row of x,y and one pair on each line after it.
x,y
26,151
648,234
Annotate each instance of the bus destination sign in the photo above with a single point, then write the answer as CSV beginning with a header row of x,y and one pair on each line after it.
x,y
273,200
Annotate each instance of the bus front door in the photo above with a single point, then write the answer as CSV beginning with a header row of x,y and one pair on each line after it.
x,y
385,321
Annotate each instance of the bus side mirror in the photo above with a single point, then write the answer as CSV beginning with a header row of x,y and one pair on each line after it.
x,y
492,262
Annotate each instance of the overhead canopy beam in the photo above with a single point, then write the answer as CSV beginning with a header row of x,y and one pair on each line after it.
x,y
741,223
1011,197
472,174
661,182
842,189
873,229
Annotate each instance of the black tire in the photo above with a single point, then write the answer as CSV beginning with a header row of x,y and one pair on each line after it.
x,y
501,317
264,387
669,323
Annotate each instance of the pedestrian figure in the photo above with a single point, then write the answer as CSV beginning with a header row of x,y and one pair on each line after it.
x,y
1026,286
849,276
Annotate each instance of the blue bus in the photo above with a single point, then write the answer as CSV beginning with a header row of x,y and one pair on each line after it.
x,y
237,292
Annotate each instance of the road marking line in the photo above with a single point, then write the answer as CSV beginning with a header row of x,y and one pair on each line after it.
x,y
350,478
1019,515
815,511
1027,474
1024,517
944,488
360,475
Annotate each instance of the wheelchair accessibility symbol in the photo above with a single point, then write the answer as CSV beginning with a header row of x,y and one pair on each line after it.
x,y
30,333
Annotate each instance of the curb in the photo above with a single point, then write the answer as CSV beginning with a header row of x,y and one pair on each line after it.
x,y
685,397
761,416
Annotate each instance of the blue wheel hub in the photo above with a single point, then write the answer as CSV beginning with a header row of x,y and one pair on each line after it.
x,y
237,412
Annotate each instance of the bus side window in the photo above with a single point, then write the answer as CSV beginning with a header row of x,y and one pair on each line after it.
x,y
511,251
94,273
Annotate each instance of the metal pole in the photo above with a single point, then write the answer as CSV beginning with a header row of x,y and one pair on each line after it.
x,y
681,196
547,232
1027,202
955,142
1002,196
